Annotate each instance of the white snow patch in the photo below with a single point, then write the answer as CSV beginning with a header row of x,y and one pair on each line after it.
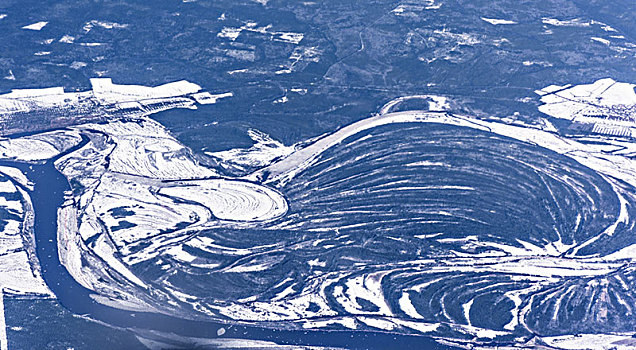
x,y
347,322
299,91
435,102
230,33
17,175
178,253
7,186
67,39
600,40
407,306
232,200
206,98
592,341
88,26
78,65
264,151
426,163
36,26
495,21
576,22
231,72
281,100
466,307
316,263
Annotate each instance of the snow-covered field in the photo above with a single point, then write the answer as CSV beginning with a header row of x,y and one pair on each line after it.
x,y
38,147
606,103
19,272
